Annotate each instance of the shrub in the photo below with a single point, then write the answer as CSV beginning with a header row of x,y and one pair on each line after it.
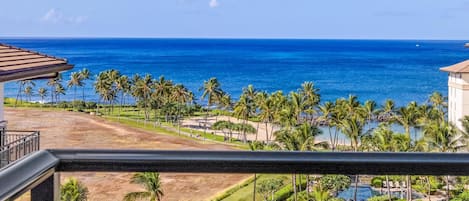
x,y
464,196
377,182
73,190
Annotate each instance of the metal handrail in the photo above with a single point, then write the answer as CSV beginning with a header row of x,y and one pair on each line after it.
x,y
21,138
31,170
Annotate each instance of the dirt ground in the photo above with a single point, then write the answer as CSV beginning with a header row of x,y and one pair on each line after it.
x,y
78,130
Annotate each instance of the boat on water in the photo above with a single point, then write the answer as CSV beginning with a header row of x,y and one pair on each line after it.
x,y
466,45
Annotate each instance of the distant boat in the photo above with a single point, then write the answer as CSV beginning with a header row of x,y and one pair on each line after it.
x,y
467,45
417,45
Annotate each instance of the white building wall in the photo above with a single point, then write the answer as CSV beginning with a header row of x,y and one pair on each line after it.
x,y
458,97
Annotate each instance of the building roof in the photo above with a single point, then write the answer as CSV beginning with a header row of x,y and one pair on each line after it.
x,y
21,64
462,67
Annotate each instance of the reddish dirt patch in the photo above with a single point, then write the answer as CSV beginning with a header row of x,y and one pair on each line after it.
x,y
78,130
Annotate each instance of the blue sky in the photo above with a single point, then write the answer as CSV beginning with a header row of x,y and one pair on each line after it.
x,y
351,19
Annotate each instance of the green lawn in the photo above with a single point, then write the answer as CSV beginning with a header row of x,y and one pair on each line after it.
x,y
246,192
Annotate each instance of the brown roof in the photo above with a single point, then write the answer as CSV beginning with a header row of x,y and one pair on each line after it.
x,y
19,64
462,67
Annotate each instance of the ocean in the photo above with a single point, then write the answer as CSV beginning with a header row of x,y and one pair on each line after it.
x,y
402,70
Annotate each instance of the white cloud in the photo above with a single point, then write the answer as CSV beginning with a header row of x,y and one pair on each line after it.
x,y
56,16
213,3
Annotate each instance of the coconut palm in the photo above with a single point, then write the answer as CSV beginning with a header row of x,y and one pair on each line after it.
x,y
142,90
59,90
42,92
123,86
437,100
28,92
211,90
311,98
243,109
300,138
444,137
85,74
75,81
23,84
52,84
151,182
182,95
266,111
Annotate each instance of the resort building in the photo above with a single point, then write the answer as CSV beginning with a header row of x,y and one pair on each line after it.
x,y
458,92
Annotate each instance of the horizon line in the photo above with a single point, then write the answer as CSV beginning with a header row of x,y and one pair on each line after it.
x,y
219,38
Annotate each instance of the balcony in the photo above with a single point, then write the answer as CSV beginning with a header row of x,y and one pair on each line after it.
x,y
15,144
37,172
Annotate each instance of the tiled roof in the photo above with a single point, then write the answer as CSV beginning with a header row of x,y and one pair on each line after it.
x,y
19,64
462,67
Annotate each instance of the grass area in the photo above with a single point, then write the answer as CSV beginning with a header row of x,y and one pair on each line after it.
x,y
244,191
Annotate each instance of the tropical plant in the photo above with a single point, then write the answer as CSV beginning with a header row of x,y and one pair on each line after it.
x,y
75,81
268,187
152,184
73,190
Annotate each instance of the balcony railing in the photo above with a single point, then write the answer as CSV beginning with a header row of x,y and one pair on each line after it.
x,y
16,144
36,172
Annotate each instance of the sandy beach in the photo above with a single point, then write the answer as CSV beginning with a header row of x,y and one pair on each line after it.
x,y
60,129
199,123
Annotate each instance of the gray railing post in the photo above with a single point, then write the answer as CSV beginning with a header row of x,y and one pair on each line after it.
x,y
48,190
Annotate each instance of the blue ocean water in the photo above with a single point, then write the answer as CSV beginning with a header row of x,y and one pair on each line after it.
x,y
403,70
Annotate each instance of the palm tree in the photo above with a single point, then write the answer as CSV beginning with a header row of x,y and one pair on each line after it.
x,y
266,111
142,90
162,93
42,93
352,126
75,80
85,74
22,89
182,95
28,92
370,109
151,182
311,98
444,137
73,190
59,90
300,138
52,83
243,110
122,85
211,90
327,110
438,101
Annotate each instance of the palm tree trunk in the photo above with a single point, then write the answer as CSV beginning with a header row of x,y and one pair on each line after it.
x,y
244,132
294,185
357,177
83,92
409,188
254,190
266,132
257,130
447,188
388,188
